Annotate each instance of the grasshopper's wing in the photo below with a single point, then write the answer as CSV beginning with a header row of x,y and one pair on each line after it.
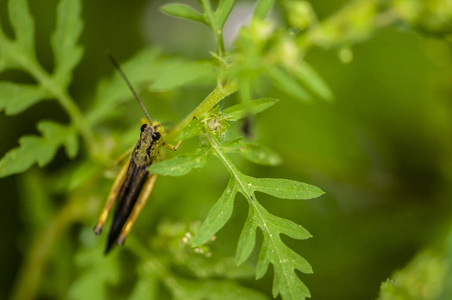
x,y
139,205
130,190
115,189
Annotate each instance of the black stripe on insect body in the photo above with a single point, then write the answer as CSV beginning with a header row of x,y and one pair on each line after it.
x,y
127,197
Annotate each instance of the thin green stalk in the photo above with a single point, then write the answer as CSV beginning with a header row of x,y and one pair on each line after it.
x,y
214,25
32,269
218,94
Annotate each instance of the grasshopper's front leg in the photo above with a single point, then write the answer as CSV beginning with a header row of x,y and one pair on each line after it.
x,y
141,202
112,197
171,147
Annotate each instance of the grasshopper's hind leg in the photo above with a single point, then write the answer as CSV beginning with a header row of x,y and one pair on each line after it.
x,y
111,197
141,202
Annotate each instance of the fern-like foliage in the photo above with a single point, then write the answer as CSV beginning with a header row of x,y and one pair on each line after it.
x,y
273,250
19,53
231,71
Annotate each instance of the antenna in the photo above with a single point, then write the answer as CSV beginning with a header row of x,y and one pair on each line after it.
x,y
115,63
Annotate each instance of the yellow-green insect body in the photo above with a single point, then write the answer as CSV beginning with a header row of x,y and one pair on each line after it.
x,y
148,148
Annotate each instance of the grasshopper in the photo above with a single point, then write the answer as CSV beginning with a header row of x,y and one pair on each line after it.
x,y
133,184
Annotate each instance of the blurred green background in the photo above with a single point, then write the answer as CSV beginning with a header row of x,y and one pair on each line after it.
x,y
381,151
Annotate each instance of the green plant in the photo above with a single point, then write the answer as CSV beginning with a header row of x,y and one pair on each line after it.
x,y
263,50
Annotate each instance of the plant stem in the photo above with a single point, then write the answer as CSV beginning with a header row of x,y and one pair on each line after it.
x,y
218,31
31,271
218,94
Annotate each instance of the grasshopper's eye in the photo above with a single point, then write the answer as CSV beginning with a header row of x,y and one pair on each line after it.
x,y
143,127
156,136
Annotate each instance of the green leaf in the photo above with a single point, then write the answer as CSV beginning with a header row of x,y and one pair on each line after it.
x,y
223,10
253,152
284,188
217,217
309,77
40,150
180,72
288,84
288,227
247,238
284,260
248,108
181,165
15,98
191,130
182,11
285,280
263,261
23,25
69,26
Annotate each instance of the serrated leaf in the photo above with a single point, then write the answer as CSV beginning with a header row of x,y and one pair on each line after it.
x,y
253,152
287,84
248,108
247,239
67,53
180,73
288,227
183,164
15,98
284,188
284,260
23,24
182,11
217,217
39,149
309,77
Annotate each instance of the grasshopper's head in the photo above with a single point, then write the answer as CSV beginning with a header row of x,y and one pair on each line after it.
x,y
147,149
